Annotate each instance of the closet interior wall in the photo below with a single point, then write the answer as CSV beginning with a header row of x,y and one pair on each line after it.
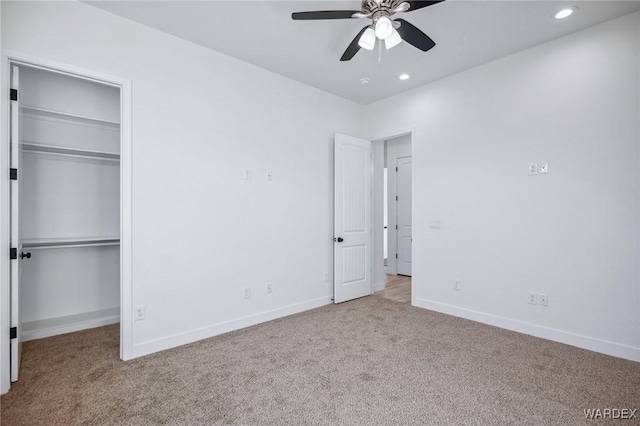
x,y
70,203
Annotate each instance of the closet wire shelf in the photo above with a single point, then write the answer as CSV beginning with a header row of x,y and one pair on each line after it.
x,y
67,116
42,113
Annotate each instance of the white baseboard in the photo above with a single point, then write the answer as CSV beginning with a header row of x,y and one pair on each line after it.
x,y
151,346
581,341
68,324
378,286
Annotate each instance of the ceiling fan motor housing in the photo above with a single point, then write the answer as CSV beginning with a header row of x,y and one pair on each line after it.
x,y
376,9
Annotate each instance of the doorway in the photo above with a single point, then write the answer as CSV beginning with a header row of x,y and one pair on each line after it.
x,y
69,207
393,198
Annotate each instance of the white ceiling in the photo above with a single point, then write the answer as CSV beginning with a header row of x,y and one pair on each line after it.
x,y
467,33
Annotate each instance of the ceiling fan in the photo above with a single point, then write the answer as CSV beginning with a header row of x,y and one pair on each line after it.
x,y
382,26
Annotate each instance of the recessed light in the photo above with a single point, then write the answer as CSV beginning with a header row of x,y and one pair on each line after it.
x,y
364,81
565,13
404,76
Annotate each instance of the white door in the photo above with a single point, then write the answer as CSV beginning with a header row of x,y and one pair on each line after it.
x,y
403,215
352,218
16,242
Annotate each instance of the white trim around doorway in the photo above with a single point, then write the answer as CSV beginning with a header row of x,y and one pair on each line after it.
x,y
378,264
126,286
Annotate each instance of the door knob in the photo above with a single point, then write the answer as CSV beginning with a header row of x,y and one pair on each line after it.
x,y
339,239
23,255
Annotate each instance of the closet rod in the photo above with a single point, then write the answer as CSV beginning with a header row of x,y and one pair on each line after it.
x,y
69,152
44,244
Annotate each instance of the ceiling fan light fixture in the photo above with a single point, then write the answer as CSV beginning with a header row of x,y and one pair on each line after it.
x,y
380,25
384,28
393,40
404,76
368,39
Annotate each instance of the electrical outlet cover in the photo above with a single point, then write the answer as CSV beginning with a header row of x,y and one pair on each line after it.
x,y
139,313
533,298
544,168
533,168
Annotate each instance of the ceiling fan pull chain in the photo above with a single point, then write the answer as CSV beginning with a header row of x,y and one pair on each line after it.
x,y
379,52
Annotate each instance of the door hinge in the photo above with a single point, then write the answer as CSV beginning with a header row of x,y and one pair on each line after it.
x,y
396,169
396,227
13,174
396,255
396,198
13,253
13,332
13,94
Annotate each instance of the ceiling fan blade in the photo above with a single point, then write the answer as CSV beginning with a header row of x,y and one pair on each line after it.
x,y
414,36
402,7
353,47
415,5
326,14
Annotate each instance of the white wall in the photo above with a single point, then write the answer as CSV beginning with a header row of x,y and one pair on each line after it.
x,y
53,287
573,233
201,233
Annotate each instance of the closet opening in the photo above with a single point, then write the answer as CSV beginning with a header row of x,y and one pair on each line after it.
x,y
65,205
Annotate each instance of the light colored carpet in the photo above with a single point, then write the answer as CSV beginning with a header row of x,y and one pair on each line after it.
x,y
369,361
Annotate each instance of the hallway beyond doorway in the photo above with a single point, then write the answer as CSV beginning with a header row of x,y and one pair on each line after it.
x,y
397,288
